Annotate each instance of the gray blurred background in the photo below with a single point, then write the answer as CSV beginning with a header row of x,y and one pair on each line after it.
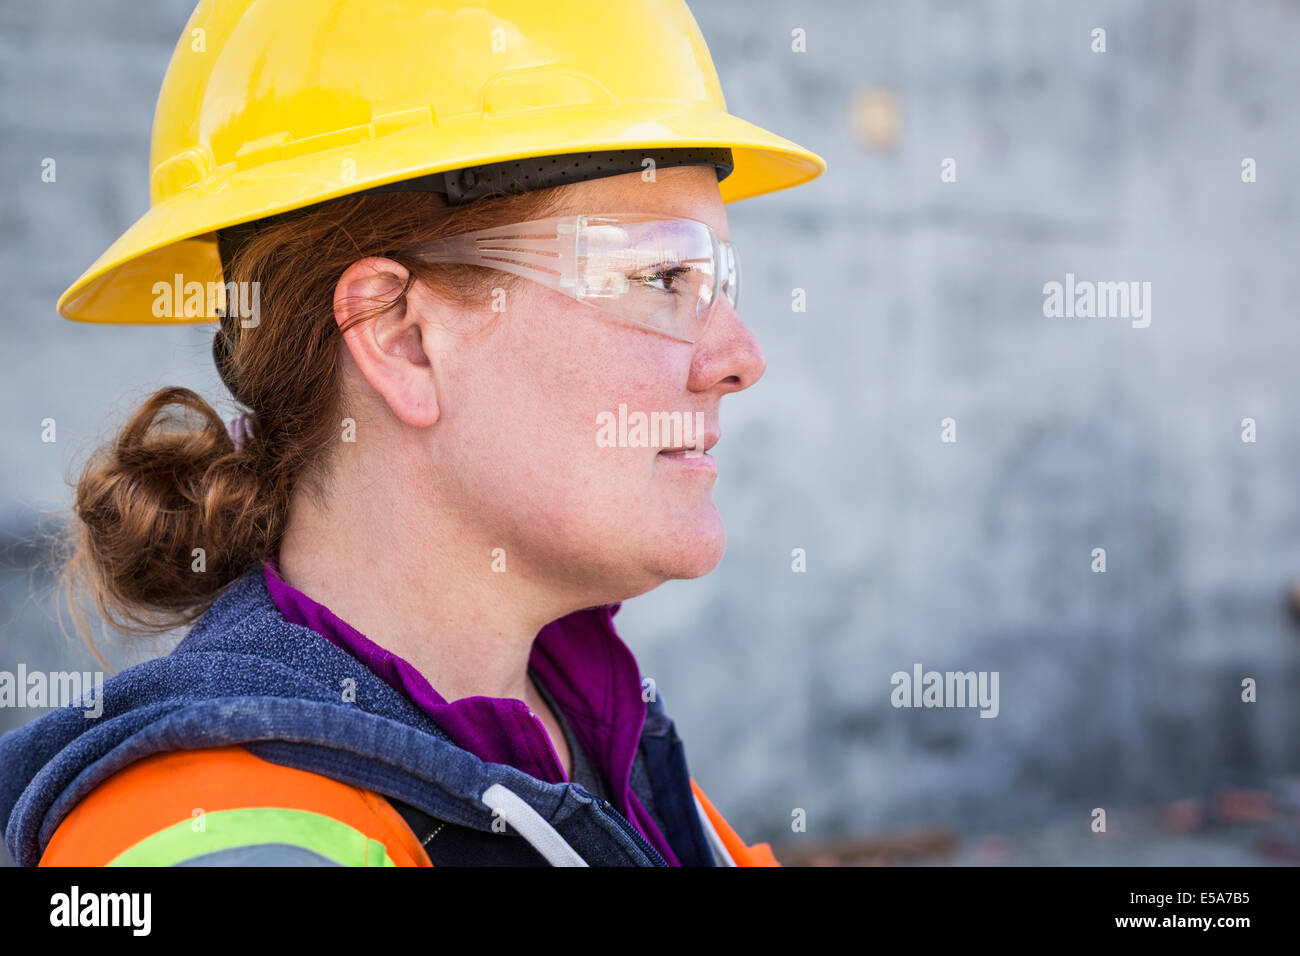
x,y
925,298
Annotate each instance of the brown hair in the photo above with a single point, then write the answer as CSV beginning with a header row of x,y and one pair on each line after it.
x,y
172,481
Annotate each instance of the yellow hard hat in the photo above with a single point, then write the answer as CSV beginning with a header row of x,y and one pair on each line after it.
x,y
273,105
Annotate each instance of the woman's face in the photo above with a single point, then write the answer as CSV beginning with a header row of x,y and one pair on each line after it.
x,y
516,453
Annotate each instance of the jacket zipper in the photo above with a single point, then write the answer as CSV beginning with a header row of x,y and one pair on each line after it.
x,y
631,831
604,805
436,831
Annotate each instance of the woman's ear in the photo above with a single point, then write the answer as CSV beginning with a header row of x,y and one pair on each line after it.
x,y
393,348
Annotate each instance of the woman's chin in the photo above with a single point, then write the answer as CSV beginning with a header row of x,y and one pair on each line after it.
x,y
695,550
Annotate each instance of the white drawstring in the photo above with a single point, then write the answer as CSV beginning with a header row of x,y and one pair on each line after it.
x,y
715,841
543,837
546,840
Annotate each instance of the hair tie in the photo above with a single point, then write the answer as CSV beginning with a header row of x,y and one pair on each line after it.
x,y
240,429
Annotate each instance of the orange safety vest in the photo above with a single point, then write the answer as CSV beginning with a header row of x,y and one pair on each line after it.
x,y
142,813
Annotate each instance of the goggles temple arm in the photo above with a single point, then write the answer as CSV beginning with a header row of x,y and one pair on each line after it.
x,y
530,257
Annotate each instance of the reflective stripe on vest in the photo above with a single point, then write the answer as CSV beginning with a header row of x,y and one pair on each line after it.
x,y
254,827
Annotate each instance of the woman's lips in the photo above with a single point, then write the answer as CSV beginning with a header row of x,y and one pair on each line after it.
x,y
706,441
690,458
694,457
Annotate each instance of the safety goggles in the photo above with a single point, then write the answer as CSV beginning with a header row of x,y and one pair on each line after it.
x,y
662,274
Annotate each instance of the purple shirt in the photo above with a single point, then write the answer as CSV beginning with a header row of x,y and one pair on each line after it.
x,y
584,665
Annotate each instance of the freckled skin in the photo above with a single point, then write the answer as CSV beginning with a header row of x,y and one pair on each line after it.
x,y
515,445
477,432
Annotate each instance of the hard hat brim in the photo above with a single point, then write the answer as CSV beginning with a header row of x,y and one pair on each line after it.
x,y
177,236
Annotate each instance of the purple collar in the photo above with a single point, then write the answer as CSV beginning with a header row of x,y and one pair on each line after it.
x,y
581,660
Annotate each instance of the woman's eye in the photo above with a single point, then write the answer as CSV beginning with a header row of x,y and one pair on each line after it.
x,y
664,279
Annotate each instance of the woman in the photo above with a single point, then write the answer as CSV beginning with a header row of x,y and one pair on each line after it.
x,y
453,297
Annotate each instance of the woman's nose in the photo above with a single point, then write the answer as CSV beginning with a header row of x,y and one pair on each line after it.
x,y
728,354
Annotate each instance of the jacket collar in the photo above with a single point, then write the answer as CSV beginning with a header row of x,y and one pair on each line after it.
x,y
580,659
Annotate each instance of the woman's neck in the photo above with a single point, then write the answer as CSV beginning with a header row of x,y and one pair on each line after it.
x,y
431,597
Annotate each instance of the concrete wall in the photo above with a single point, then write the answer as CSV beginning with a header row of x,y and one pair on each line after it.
x,y
924,302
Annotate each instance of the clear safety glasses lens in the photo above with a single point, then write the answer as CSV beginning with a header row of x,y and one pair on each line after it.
x,y
663,274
